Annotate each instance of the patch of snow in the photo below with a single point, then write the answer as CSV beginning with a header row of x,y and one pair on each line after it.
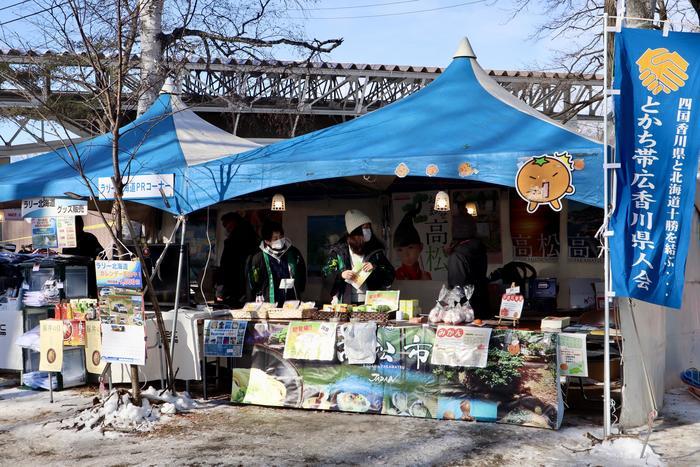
x,y
120,413
626,451
182,401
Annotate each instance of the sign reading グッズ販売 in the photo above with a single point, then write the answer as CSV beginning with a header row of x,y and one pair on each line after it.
x,y
53,207
657,142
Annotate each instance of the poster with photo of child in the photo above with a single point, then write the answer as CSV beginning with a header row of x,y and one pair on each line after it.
x,y
420,237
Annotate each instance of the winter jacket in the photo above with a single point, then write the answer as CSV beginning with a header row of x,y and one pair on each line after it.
x,y
264,272
238,246
339,260
467,265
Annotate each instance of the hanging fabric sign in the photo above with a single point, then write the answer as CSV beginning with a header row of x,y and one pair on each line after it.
x,y
658,141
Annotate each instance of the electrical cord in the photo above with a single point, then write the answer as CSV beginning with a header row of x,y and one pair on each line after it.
x,y
401,13
206,264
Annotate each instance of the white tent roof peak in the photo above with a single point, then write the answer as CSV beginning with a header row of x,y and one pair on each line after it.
x,y
464,49
170,87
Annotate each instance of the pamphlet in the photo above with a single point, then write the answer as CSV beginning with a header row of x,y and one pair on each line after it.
x,y
123,344
224,338
463,346
122,309
51,345
310,340
574,358
44,234
360,277
93,348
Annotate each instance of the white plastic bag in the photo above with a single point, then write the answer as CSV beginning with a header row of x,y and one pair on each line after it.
x,y
436,314
454,316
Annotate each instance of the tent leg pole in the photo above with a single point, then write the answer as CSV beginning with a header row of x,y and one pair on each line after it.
x,y
177,286
607,428
156,268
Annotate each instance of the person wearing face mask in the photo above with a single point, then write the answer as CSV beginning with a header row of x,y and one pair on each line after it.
x,y
277,272
359,248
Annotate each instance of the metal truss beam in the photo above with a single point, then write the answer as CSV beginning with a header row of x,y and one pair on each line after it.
x,y
325,90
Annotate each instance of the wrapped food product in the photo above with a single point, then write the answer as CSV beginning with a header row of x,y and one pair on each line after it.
x,y
453,315
436,314
449,308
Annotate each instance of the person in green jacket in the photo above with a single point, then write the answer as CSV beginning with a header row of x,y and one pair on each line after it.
x,y
358,249
276,261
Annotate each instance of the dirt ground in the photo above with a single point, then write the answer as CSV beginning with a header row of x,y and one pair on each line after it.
x,y
218,433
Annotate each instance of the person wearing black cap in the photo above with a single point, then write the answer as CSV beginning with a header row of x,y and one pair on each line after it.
x,y
467,263
240,243
358,249
408,247
277,272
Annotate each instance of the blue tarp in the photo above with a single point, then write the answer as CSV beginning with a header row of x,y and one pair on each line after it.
x,y
462,117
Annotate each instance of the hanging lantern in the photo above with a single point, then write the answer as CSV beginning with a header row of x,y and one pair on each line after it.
x,y
471,208
278,203
442,201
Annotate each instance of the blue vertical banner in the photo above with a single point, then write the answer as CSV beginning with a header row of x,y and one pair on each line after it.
x,y
657,127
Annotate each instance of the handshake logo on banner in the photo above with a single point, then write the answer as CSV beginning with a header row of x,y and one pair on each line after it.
x,y
661,70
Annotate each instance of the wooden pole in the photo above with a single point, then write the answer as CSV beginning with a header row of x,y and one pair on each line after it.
x,y
160,324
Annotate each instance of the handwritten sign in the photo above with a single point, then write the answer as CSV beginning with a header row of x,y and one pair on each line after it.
x,y
310,340
463,346
511,306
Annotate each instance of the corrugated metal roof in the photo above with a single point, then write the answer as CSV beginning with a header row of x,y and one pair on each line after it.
x,y
331,65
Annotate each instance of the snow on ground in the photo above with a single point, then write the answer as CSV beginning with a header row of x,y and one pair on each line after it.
x,y
118,411
215,432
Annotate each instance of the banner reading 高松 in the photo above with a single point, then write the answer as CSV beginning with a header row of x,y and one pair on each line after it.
x,y
657,123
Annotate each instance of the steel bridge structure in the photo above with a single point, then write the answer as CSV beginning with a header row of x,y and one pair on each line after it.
x,y
244,96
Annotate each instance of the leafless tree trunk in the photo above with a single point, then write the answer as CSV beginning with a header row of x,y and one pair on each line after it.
x,y
635,10
151,29
216,28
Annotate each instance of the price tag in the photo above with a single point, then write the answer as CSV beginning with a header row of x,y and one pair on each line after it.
x,y
286,284
59,285
36,267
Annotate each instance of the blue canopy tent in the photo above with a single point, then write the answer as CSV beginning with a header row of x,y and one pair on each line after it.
x,y
167,139
463,116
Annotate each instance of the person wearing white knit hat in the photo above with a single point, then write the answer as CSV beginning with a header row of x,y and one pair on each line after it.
x,y
359,250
